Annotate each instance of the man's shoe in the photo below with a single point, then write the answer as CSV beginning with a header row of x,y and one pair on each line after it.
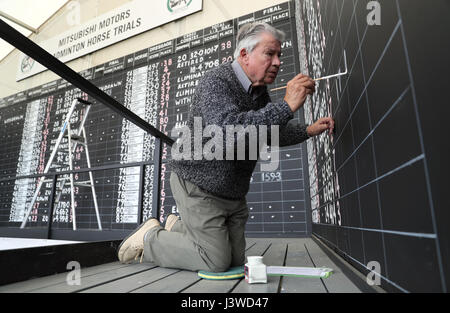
x,y
133,245
171,220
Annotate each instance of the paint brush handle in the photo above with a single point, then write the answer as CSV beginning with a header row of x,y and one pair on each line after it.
x,y
284,87
279,88
316,79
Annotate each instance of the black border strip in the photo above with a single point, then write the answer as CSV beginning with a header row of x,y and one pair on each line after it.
x,y
43,261
90,235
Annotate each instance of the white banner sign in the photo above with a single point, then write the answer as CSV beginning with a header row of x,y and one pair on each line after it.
x,y
123,22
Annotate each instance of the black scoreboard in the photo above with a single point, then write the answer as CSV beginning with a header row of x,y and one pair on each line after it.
x,y
377,185
157,83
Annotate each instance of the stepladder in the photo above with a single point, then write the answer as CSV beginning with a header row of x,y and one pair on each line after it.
x,y
67,142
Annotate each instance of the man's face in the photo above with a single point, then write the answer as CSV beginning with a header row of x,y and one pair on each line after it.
x,y
263,63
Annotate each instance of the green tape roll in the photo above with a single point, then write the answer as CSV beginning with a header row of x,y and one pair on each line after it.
x,y
233,273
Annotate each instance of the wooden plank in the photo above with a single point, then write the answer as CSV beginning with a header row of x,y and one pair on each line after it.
x,y
133,282
98,279
116,277
50,280
258,249
336,282
274,256
173,283
223,286
298,256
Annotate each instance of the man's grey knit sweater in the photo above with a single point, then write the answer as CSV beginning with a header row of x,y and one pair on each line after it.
x,y
220,99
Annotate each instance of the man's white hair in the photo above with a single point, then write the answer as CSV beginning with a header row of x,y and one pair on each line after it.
x,y
249,36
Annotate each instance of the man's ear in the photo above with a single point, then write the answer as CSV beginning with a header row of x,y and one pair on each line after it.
x,y
244,55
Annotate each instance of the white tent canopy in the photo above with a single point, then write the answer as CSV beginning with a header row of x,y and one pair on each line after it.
x,y
29,12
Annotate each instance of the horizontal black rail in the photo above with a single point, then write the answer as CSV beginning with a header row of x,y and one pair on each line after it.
x,y
81,170
27,46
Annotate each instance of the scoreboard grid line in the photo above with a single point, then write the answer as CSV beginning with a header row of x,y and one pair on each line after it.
x,y
368,136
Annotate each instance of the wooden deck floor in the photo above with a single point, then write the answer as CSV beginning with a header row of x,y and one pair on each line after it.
x,y
148,278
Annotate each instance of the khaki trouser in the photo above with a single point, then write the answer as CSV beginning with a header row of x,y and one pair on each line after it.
x,y
209,236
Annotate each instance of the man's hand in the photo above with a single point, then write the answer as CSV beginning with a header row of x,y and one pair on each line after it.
x,y
320,126
297,90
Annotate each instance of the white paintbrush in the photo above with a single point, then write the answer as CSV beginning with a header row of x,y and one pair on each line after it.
x,y
321,78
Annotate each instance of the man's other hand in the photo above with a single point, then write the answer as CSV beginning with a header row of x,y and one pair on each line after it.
x,y
321,125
